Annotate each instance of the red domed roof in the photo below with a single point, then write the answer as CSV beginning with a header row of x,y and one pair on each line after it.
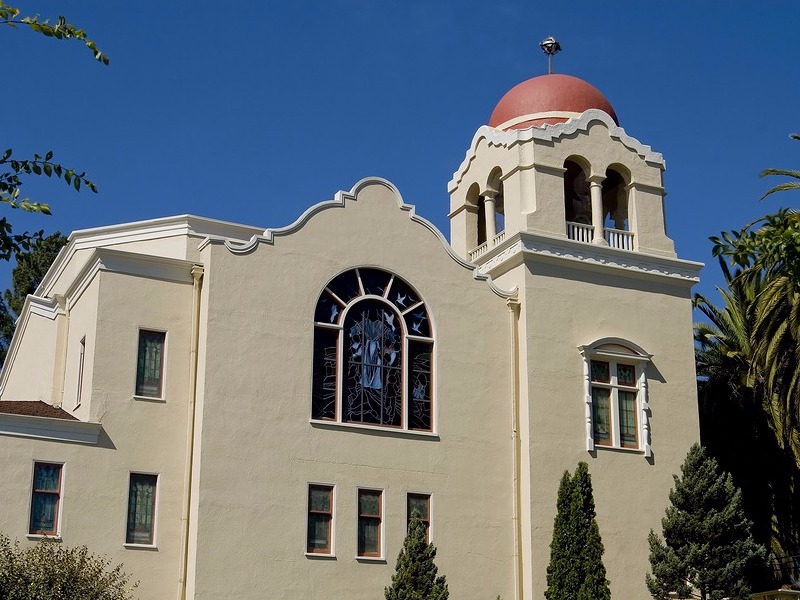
x,y
548,99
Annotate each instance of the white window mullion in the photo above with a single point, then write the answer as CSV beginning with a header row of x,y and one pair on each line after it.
x,y
644,407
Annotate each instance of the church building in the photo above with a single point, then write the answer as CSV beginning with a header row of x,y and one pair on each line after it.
x,y
248,413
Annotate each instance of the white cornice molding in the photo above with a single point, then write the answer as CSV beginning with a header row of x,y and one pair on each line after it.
x,y
47,428
339,201
590,256
140,231
550,133
128,263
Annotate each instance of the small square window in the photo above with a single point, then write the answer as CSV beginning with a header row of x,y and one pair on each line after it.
x,y
320,519
421,503
150,364
45,499
141,509
370,517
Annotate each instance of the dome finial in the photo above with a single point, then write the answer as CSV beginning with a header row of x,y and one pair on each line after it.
x,y
550,46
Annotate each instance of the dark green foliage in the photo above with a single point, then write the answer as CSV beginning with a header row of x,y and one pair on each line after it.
x,y
415,576
708,548
28,273
50,570
576,569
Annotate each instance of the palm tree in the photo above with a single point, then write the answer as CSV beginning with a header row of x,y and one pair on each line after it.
x,y
789,185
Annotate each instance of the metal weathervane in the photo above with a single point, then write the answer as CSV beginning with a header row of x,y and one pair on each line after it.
x,y
551,47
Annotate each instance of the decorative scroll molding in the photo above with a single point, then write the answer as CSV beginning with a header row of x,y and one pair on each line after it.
x,y
632,263
339,200
549,133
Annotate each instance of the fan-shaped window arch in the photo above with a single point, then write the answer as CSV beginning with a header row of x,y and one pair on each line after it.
x,y
373,349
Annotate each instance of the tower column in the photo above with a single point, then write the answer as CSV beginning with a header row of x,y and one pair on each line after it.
x,y
596,190
491,218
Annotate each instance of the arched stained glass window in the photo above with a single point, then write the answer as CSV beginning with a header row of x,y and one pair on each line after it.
x,y
373,349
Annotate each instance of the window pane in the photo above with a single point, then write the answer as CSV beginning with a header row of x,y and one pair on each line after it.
x,y
419,385
372,381
374,281
419,503
627,419
318,532
328,310
46,477
141,509
600,372
345,286
601,399
369,503
626,375
44,510
369,537
323,387
150,363
417,322
319,499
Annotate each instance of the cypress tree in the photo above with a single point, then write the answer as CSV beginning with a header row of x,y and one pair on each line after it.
x,y
576,569
708,547
415,576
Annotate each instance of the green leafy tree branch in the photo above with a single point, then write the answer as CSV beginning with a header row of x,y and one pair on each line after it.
x,y
14,170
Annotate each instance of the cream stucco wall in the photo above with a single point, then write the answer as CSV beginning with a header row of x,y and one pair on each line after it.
x,y
259,451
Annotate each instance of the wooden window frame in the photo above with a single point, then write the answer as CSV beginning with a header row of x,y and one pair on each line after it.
x,y
614,406
426,521
378,518
58,493
328,550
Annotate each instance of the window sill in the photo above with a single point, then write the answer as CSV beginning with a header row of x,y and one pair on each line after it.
x,y
375,429
140,546
371,559
619,449
320,556
148,399
44,536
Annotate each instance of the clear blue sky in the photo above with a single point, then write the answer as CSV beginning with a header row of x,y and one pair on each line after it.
x,y
252,111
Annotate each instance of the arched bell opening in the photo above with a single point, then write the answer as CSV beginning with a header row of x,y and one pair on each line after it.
x,y
577,201
615,209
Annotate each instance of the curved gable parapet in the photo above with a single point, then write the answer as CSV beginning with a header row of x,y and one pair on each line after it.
x,y
549,134
339,201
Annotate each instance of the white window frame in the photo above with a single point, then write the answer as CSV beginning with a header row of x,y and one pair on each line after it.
x,y
162,397
134,545
617,351
332,552
382,529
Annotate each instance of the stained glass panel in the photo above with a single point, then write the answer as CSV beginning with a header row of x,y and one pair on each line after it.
x,y
319,499
419,385
150,363
318,531
601,409
46,477
374,281
141,509
323,387
369,504
328,310
626,375
345,286
417,322
401,295
372,386
419,503
627,419
600,371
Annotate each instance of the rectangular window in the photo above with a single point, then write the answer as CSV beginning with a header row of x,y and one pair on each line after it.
x,y
141,509
82,354
150,364
320,519
422,504
45,499
370,512
614,390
